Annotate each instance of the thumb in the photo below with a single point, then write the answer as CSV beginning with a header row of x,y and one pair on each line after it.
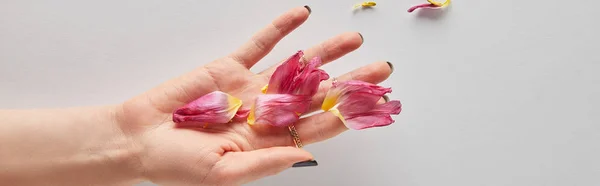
x,y
253,165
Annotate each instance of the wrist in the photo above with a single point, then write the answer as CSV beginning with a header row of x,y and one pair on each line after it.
x,y
125,150
73,146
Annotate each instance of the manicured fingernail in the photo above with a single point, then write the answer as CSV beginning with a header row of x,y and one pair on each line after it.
x,y
308,8
362,39
391,66
386,98
309,163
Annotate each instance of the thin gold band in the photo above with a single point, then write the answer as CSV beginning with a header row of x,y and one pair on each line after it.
x,y
295,136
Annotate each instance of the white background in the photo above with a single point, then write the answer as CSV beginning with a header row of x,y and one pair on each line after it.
x,y
495,93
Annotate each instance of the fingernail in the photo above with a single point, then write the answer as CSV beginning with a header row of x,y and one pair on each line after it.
x,y
362,39
391,66
386,98
308,8
309,163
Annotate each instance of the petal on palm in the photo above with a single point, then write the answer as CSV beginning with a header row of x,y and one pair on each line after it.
x,y
296,78
289,92
283,77
307,82
353,92
278,109
215,107
379,116
355,103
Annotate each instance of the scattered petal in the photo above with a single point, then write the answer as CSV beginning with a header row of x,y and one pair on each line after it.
x,y
215,108
278,109
307,82
296,78
283,76
264,89
445,3
366,4
289,92
431,5
379,116
355,103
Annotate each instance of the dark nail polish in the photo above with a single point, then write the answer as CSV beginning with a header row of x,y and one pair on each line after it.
x,y
362,39
386,98
308,8
391,66
309,163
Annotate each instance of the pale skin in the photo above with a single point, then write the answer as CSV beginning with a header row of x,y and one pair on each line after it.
x,y
136,141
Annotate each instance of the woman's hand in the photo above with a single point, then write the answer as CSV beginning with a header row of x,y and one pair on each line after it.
x,y
134,141
233,153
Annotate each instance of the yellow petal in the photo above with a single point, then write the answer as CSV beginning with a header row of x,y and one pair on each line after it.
x,y
234,104
264,89
438,3
369,3
337,113
330,101
251,117
365,4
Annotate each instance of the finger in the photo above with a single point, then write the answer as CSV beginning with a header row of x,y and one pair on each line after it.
x,y
329,50
373,73
311,129
263,42
252,165
319,127
325,125
322,126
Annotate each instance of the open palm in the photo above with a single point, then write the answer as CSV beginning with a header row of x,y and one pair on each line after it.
x,y
233,153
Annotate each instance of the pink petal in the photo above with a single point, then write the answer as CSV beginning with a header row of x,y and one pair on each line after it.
x,y
308,80
361,91
379,116
428,5
296,78
358,93
215,107
355,103
284,75
278,109
289,92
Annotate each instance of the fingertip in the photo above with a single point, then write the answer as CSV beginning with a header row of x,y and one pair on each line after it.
x,y
292,19
385,67
391,66
354,39
340,45
302,154
362,39
294,154
309,163
308,8
375,72
301,12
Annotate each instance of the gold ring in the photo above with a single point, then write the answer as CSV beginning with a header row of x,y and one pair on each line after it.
x,y
303,60
295,136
